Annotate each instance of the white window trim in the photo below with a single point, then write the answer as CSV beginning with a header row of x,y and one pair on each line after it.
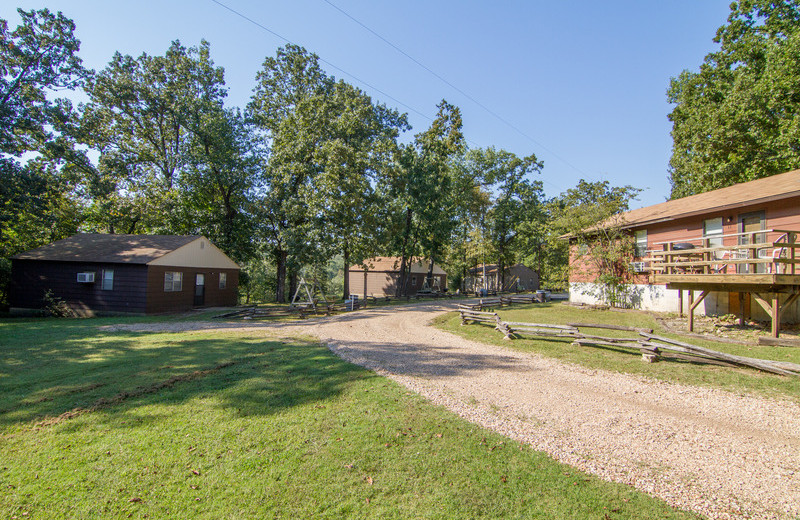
x,y
170,282
640,236
103,280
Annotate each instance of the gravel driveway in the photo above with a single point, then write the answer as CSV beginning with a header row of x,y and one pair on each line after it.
x,y
710,451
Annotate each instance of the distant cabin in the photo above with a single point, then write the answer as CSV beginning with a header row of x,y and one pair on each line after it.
x,y
137,274
516,278
383,272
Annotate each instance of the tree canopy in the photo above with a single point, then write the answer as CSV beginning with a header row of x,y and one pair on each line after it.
x,y
738,117
311,174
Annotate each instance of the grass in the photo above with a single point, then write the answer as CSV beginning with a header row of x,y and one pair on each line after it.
x,y
98,423
741,380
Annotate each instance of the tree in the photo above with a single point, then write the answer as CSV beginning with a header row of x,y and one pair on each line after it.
x,y
37,59
589,215
515,200
422,188
221,179
738,117
292,77
358,139
138,118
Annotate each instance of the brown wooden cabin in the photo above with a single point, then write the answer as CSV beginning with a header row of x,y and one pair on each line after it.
x,y
137,274
733,249
517,278
383,272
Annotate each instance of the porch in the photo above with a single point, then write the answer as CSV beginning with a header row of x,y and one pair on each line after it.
x,y
760,263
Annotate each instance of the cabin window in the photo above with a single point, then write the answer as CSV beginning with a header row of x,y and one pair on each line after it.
x,y
641,243
108,280
173,281
413,281
223,280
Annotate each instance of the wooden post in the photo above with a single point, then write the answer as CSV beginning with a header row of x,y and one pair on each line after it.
x,y
741,309
693,305
680,303
670,269
776,314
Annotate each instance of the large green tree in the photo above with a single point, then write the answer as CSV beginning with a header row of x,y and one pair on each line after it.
x,y
424,191
221,180
37,60
358,139
738,117
516,199
287,80
139,118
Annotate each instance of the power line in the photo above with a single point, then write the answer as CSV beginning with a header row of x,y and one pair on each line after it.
x,y
457,89
356,78
287,40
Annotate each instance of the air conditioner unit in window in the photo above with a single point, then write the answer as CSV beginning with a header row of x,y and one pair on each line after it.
x,y
639,267
85,277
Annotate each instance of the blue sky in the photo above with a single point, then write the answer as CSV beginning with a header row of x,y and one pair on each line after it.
x,y
584,81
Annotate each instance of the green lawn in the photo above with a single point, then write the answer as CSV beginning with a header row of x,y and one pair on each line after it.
x,y
101,424
620,359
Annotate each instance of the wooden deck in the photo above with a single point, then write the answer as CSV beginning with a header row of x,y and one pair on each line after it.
x,y
762,264
764,283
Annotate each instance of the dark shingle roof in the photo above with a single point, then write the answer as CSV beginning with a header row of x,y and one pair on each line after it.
x,y
88,247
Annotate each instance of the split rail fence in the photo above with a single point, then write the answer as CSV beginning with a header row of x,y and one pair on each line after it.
x,y
652,347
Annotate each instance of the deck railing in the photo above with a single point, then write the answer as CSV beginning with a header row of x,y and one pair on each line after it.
x,y
771,251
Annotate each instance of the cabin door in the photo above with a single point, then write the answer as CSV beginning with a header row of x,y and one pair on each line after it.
x,y
749,225
199,290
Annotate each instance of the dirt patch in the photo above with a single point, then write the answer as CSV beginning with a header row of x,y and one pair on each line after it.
x,y
105,402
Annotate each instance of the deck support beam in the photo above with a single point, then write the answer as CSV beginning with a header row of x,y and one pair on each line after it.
x,y
693,305
774,308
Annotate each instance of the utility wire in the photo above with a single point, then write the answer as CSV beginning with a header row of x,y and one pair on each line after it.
x,y
412,109
454,87
287,40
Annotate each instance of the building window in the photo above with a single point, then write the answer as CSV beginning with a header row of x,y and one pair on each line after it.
x,y
641,243
173,281
712,232
108,280
413,281
223,280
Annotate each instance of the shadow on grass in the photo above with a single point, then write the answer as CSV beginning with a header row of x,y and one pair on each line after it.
x,y
54,367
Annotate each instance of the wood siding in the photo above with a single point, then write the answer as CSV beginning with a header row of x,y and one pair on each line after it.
x,y
31,278
138,288
383,283
159,300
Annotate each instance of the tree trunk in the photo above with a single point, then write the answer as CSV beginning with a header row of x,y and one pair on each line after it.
x,y
501,274
280,278
402,278
346,284
430,272
293,283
